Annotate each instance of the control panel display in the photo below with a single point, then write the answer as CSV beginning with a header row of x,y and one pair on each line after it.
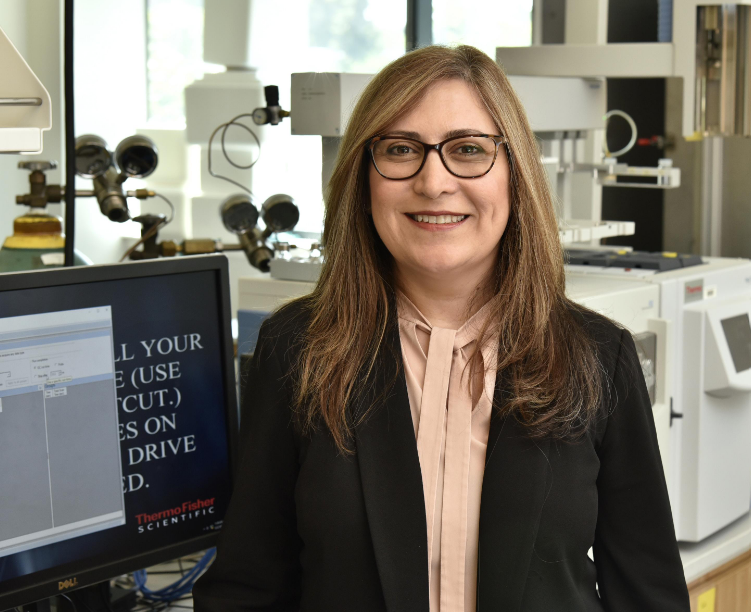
x,y
738,335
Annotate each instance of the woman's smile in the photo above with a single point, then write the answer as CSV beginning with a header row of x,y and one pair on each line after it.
x,y
436,221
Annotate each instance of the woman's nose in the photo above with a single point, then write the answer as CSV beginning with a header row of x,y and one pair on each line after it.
x,y
434,179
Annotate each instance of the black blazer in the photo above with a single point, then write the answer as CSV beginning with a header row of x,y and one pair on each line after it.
x,y
313,530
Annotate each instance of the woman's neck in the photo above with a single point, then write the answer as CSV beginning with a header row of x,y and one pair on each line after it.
x,y
447,302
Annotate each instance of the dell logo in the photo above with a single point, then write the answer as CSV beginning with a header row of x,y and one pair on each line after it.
x,y
67,584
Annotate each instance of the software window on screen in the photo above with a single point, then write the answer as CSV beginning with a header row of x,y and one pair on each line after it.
x,y
60,469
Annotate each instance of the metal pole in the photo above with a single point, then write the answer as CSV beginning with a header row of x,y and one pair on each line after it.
x,y
70,139
711,197
537,21
419,31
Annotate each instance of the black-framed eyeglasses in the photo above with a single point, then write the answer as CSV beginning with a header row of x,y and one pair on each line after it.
x,y
470,156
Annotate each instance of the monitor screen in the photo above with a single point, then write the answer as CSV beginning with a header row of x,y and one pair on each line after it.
x,y
118,420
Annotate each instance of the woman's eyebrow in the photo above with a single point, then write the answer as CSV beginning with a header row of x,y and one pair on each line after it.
x,y
405,134
462,132
449,134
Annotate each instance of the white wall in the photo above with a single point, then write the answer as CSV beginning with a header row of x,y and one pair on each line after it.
x,y
110,101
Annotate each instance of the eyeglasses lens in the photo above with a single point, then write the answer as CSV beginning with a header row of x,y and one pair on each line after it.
x,y
468,156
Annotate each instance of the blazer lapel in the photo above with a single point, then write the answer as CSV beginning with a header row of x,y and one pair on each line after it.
x,y
517,478
392,483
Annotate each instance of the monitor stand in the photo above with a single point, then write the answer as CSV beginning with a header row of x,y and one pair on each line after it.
x,y
40,606
100,597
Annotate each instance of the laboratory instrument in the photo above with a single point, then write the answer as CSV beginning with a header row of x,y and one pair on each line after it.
x,y
704,42
708,304
38,241
239,215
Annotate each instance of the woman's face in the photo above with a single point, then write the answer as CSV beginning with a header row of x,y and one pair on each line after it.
x,y
470,246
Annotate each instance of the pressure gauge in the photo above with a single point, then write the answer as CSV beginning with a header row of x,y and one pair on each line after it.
x,y
280,213
260,116
92,156
136,156
238,213
272,113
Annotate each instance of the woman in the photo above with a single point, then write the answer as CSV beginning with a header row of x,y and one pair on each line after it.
x,y
437,427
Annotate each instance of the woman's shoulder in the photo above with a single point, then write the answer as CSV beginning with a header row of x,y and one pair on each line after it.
x,y
597,325
607,335
283,331
291,318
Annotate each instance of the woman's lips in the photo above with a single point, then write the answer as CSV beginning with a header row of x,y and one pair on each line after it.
x,y
437,221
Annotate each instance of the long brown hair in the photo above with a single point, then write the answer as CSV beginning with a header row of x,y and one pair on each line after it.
x,y
548,362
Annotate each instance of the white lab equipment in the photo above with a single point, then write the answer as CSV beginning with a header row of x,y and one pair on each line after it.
x,y
710,456
707,44
25,105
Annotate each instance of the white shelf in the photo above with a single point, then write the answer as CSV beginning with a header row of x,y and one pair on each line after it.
x,y
611,60
580,230
716,550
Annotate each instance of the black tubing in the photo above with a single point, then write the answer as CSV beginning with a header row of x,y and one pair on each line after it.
x,y
70,139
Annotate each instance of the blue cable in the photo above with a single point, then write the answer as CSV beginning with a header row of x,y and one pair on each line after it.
x,y
183,586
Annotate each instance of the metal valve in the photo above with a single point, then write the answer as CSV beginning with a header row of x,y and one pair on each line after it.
x,y
40,193
41,166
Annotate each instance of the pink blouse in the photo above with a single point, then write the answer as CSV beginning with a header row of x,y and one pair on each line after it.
x,y
452,437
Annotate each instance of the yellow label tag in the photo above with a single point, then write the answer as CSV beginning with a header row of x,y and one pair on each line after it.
x,y
706,601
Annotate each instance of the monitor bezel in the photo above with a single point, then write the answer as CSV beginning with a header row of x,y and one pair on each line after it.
x,y
34,279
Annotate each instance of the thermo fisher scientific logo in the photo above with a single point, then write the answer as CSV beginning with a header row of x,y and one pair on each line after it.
x,y
694,291
188,511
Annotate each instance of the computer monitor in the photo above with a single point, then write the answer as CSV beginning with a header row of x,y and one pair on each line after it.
x,y
118,420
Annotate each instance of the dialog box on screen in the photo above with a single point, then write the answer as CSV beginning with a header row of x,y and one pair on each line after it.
x,y
60,470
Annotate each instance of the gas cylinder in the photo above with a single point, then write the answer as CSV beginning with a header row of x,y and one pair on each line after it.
x,y
37,243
